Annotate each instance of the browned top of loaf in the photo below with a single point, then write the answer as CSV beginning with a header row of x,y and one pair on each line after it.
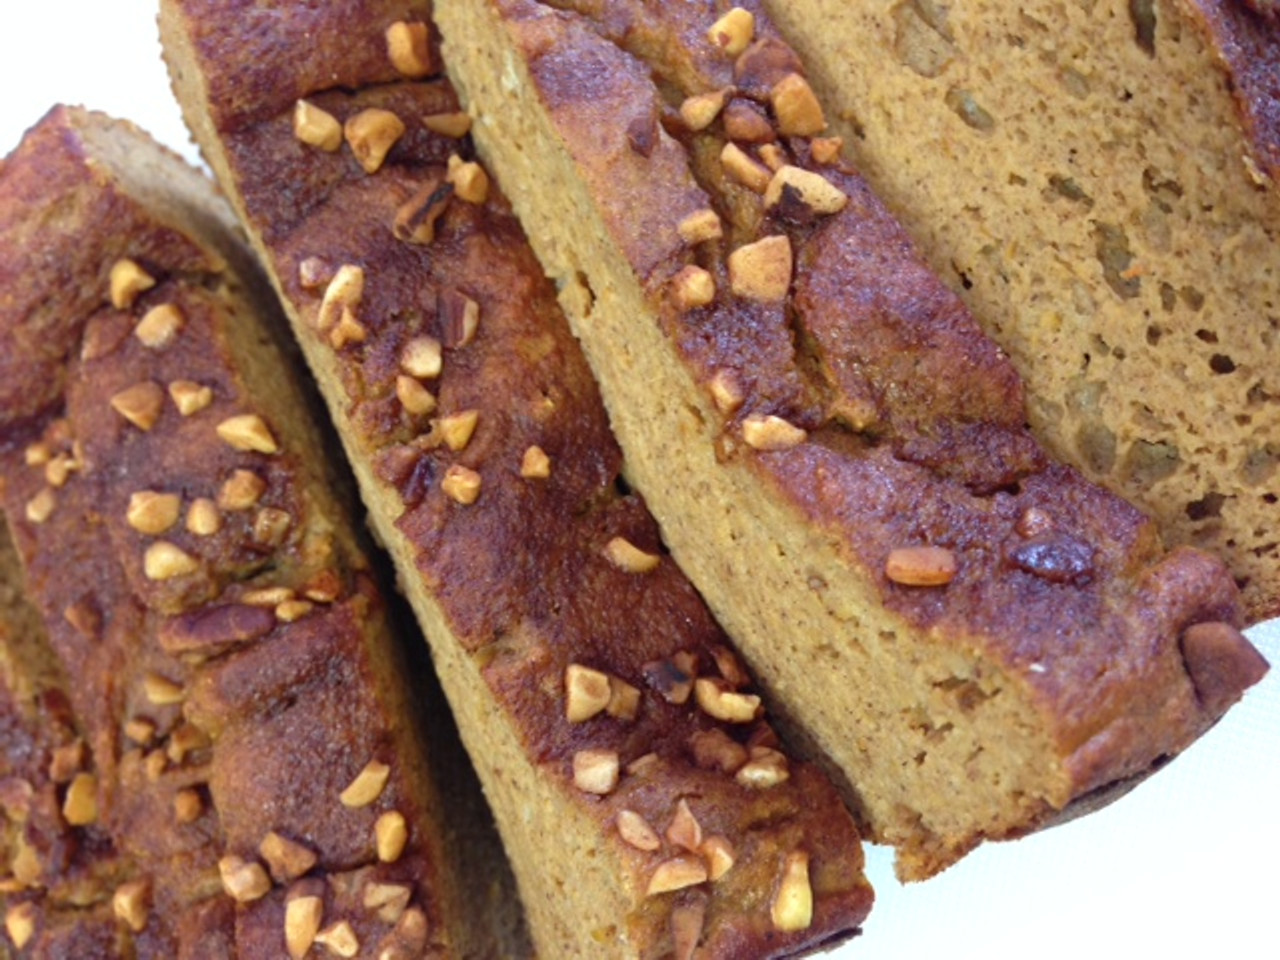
x,y
229,676
521,572
913,421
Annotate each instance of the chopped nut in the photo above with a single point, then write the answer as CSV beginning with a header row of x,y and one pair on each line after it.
x,y
635,830
771,433
422,357
287,859
792,907
20,923
80,805
414,397
693,287
161,691
826,150
203,518
723,704
270,526
371,134
127,281
344,292
456,125
624,700
388,900
411,930
26,866
315,272
153,513
766,768
141,732
391,833
159,326
699,226
626,556
813,190
587,692
140,404
673,678
720,856
459,317
347,330
40,507
726,393
715,750
187,738
641,766
762,270
67,761
773,156
700,111
187,805
37,454
729,666
367,786
733,32
293,610
596,771
316,127
164,561
268,596
155,765
921,566
415,220
687,920
798,111
684,829
461,485
302,917
85,616
677,874
58,470
457,429
535,464
189,397
746,123
340,939
469,180
739,166
409,48
131,903
247,432
241,491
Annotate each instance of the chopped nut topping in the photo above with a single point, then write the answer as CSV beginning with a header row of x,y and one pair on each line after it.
x,y
469,180
371,134
745,123
128,280
693,287
700,111
153,513
161,691
411,929
270,526
80,805
186,739
626,556
723,704
40,507
462,485
302,917
773,156
339,939
762,270
287,859
367,786
729,666
141,732
391,833
921,566
826,150
456,125
640,766
677,874
241,491
460,318
203,518
415,220
587,692
268,596
20,923
414,397
154,765
596,771
67,760
739,166
344,292
347,330
798,111
687,920
58,470
164,561
37,455
720,856
189,397
673,678
699,226
813,190
792,907
159,326
247,432
316,127
315,272
715,750
535,464
187,805
457,429
293,610
771,433
409,48
726,393
140,404
131,903
733,32
635,830
422,357
388,900
624,700
766,768
684,829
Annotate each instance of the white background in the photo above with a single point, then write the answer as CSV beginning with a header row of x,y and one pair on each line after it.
x,y
1183,867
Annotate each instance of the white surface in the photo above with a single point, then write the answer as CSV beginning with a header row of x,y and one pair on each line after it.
x,y
1182,867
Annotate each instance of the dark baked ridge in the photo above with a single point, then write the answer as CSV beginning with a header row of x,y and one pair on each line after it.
x,y
1106,202
228,688
514,586
1051,663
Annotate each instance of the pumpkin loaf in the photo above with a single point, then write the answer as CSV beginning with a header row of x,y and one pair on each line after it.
x,y
648,807
977,636
1100,182
211,747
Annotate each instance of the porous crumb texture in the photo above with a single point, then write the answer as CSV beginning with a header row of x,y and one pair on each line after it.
x,y
648,807
1097,180
209,745
976,637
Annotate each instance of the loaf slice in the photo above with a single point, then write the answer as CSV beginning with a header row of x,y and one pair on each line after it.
x,y
1098,182
223,754
648,807
976,636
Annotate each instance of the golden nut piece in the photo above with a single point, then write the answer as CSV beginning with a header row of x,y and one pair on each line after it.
x,y
535,464
739,166
160,691
771,433
247,432
164,561
456,125
684,829
344,292
316,127
339,939
762,270
140,404
371,134
812,189
724,704
700,226
40,507
700,110
159,326
921,566
367,786
798,111
241,491
422,357
203,517
131,903
766,768
80,805
720,856
626,556
792,907
244,880
624,700
126,282
635,830
596,771
189,397
677,874
587,692
153,513
20,923
391,834
302,917
414,397
388,900
457,429
733,32
461,485
409,48
286,859
693,287
470,182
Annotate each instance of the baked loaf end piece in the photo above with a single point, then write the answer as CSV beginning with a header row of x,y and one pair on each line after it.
x,y
1100,184
649,809
976,636
224,758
